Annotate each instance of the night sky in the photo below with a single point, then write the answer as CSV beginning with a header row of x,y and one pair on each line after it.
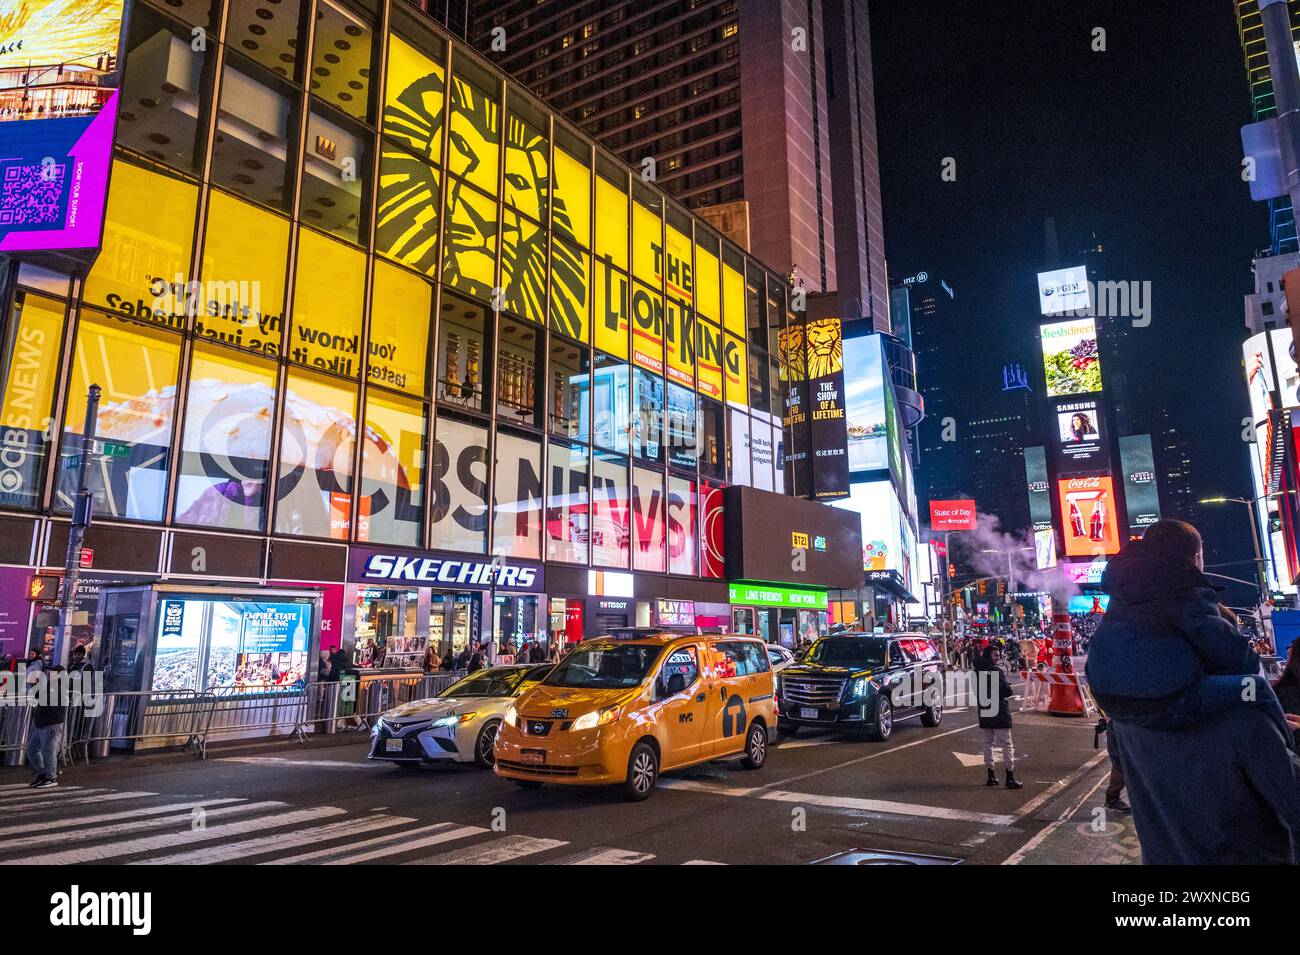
x,y
1139,144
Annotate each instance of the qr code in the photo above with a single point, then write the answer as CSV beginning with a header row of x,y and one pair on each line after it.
x,y
33,195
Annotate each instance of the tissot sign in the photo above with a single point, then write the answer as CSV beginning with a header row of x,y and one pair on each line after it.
x,y
368,565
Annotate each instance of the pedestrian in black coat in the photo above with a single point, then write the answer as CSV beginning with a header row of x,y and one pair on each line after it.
x,y
993,694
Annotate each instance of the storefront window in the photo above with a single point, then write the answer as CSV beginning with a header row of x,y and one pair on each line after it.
x,y
647,328
415,90
145,263
470,243
453,622
567,504
708,353
329,297
32,342
387,633
314,485
738,467
461,353
269,36
460,486
612,401
712,439
406,221
518,364
161,107
611,533
340,72
681,526
570,283
391,508
334,166
649,526
647,234
475,132
256,115
527,175
244,253
611,212
611,321
136,367
681,422
400,307
517,497
226,443
570,391
571,188
648,419
523,267
760,371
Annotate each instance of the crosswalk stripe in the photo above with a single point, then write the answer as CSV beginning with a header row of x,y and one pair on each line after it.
x,y
276,843
54,794
122,828
14,808
702,862
396,840
149,843
600,855
505,849
73,822
460,832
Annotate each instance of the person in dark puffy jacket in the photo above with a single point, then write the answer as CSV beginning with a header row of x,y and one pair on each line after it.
x,y
1164,656
993,694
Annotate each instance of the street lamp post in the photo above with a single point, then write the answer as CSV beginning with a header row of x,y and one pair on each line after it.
x,y
1250,503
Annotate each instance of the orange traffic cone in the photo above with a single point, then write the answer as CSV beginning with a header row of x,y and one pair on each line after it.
x,y
1065,698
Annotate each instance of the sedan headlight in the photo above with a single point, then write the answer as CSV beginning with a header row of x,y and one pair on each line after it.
x,y
511,716
858,688
453,720
589,721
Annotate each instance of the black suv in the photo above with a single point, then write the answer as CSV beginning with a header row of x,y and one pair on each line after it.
x,y
862,683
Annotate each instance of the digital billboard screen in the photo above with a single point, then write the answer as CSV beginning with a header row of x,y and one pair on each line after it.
x,y
829,438
58,108
952,515
1071,361
1088,516
1263,374
1081,442
1064,290
1141,492
864,393
1040,501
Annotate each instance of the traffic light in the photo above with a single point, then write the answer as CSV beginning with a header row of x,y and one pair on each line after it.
x,y
1002,588
43,587
952,571
983,586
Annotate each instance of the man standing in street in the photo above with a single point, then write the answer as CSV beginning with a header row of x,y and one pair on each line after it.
x,y
47,732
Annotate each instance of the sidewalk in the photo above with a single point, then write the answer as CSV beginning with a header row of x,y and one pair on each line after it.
x,y
1087,835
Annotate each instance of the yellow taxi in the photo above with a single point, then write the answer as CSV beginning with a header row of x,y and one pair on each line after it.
x,y
622,709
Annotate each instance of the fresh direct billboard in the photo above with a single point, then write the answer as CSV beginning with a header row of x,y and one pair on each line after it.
x,y
58,107
1088,516
1070,358
952,515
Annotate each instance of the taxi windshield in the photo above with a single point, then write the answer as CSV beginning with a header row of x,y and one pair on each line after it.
x,y
605,666
496,682
855,652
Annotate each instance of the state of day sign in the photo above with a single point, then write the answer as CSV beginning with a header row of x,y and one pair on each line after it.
x,y
952,515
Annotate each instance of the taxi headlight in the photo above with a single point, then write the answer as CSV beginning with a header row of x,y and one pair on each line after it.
x,y
511,716
589,721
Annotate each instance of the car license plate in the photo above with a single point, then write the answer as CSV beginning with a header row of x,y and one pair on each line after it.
x,y
392,745
808,712
533,756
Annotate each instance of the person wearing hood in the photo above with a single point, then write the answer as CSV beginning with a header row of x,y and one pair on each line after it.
x,y
993,694
1200,737
1166,655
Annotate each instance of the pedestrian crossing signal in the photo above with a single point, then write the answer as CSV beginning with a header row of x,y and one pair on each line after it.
x,y
44,587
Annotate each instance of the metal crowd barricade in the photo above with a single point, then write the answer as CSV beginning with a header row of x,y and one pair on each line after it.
x,y
356,704
14,723
157,718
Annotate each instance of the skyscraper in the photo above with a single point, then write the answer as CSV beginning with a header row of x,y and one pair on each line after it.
x,y
729,107
1250,29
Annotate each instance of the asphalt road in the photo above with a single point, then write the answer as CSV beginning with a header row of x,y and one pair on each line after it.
x,y
817,797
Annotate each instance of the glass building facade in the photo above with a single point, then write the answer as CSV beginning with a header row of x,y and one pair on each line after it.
x,y
357,287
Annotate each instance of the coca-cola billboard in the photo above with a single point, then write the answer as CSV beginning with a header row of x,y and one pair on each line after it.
x,y
1088,516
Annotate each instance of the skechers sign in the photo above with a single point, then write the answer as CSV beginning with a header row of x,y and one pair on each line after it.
x,y
369,566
